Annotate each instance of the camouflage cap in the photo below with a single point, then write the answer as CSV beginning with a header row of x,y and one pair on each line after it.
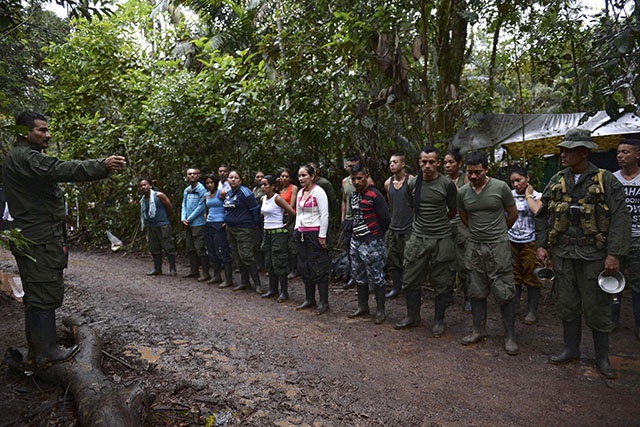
x,y
578,138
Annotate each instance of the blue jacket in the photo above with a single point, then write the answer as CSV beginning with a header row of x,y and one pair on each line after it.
x,y
193,205
241,209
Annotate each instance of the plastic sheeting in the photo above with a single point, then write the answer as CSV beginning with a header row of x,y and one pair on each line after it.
x,y
538,134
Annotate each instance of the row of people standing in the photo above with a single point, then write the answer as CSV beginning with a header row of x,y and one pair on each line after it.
x,y
581,219
221,220
495,224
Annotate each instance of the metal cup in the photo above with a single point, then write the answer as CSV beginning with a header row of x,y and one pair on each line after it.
x,y
544,275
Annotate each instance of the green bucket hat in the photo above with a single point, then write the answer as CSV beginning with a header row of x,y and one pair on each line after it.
x,y
578,138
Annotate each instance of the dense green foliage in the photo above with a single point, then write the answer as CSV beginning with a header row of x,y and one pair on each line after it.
x,y
265,84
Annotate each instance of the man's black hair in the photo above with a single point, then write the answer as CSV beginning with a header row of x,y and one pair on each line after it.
x,y
27,119
477,158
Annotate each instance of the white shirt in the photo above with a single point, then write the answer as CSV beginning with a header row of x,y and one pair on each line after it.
x,y
523,230
273,214
632,197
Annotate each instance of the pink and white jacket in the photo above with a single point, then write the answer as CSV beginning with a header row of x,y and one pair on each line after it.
x,y
312,211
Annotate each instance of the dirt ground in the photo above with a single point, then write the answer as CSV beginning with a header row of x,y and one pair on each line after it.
x,y
221,358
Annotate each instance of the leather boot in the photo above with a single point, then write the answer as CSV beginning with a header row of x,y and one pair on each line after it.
x,y
157,265
572,334
228,276
309,296
193,265
413,297
323,293
441,303
204,274
244,280
43,333
255,276
509,321
363,301
533,299
284,289
479,318
216,278
273,286
601,347
381,316
635,300
172,265
30,358
396,283
616,300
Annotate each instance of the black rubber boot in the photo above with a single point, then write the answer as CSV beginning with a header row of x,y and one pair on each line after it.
x,y
572,334
533,300
172,265
635,300
228,276
323,293
284,289
381,316
616,302
441,303
157,265
396,284
601,347
517,299
273,286
309,296
293,267
43,334
30,358
509,321
255,276
414,299
363,301
479,318
244,276
244,280
193,265
216,278
351,283
204,274
466,302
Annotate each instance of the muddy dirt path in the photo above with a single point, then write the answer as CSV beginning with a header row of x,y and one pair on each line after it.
x,y
234,358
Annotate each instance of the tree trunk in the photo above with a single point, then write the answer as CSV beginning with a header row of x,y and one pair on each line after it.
x,y
452,40
98,400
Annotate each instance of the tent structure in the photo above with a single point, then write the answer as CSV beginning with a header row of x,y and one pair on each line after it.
x,y
538,134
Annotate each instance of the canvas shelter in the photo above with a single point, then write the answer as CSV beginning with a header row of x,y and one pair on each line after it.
x,y
528,135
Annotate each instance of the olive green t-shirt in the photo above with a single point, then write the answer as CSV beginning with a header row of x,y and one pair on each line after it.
x,y
486,211
437,197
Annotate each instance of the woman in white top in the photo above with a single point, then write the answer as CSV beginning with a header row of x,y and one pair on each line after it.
x,y
523,241
312,223
275,238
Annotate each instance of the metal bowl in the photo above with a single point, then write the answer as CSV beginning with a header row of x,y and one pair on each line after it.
x,y
544,273
611,284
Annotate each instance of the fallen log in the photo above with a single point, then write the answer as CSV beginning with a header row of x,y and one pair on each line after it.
x,y
99,401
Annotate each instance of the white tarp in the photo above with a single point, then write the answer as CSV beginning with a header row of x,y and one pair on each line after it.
x,y
540,132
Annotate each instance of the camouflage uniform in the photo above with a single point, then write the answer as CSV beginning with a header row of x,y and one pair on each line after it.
x,y
37,204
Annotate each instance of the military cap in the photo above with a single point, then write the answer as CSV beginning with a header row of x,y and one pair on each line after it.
x,y
578,138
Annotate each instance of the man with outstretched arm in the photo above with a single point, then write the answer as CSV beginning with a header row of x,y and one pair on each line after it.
x,y
38,207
